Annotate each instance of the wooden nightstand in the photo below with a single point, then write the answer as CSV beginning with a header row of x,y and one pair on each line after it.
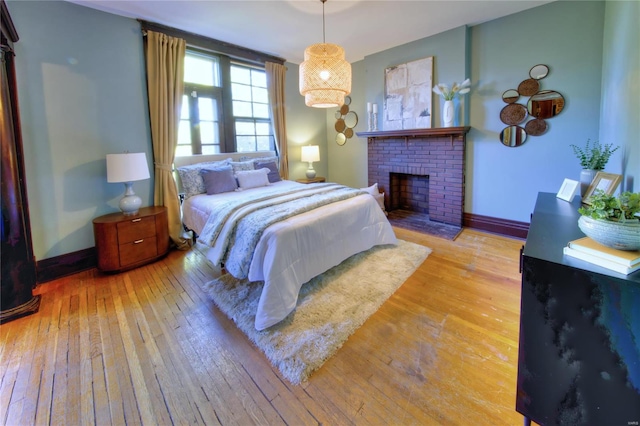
x,y
126,242
314,180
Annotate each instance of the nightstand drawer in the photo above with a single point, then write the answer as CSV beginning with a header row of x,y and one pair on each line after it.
x,y
125,242
137,250
136,229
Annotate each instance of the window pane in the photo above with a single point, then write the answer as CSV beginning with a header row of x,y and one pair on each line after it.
x,y
183,151
245,128
242,109
261,111
259,78
264,143
207,134
184,133
206,108
201,69
240,92
246,143
263,128
260,95
240,75
184,113
210,149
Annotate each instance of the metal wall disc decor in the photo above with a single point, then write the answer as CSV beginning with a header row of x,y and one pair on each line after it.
x,y
346,120
541,105
513,114
528,87
535,127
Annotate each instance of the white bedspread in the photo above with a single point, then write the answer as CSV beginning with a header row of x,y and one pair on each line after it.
x,y
293,251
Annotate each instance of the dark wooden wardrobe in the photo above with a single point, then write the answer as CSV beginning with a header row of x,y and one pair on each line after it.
x,y
18,262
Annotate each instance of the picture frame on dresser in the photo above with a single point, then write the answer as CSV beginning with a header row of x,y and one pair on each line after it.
x,y
607,182
568,190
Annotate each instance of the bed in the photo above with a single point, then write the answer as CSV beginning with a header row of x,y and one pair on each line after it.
x,y
326,224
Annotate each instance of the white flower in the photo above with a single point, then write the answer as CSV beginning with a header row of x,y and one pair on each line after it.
x,y
448,94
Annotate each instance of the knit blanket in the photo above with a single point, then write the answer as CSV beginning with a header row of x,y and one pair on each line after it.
x,y
233,229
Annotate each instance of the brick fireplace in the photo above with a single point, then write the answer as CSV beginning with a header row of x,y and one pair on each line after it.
x,y
421,170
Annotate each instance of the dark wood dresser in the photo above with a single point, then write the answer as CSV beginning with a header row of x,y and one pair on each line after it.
x,y
579,352
126,242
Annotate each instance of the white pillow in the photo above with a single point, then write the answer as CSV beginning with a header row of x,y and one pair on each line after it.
x,y
252,178
379,196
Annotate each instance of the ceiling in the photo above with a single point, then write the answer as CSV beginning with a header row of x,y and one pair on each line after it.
x,y
285,27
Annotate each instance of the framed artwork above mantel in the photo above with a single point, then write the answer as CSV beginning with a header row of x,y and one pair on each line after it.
x,y
407,95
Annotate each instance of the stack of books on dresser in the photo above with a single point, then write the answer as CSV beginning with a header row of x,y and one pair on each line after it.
x,y
624,262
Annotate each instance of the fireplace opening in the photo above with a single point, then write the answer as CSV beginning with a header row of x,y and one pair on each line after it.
x,y
409,206
409,192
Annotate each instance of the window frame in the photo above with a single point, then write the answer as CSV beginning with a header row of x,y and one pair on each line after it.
x,y
226,52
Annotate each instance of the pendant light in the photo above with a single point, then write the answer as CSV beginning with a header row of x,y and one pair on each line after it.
x,y
325,76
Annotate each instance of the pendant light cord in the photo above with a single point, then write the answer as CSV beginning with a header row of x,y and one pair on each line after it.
x,y
324,40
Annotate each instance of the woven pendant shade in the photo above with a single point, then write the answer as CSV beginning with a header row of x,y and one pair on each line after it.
x,y
325,76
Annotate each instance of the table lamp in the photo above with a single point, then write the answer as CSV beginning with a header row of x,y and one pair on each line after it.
x,y
127,168
310,154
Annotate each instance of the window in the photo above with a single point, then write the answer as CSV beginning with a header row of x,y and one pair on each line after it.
x,y
225,107
250,109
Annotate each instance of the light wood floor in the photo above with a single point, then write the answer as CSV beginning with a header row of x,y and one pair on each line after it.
x,y
148,347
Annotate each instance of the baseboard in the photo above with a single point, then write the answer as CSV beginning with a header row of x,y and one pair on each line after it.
x,y
495,225
71,263
66,264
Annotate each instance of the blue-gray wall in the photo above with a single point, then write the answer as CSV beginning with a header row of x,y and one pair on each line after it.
x,y
504,182
82,95
620,107
567,36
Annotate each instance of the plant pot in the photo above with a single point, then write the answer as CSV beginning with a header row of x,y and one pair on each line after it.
x,y
586,177
617,235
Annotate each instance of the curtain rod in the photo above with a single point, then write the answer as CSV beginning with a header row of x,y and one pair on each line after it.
x,y
218,46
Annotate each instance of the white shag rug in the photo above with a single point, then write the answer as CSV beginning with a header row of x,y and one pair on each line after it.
x,y
330,308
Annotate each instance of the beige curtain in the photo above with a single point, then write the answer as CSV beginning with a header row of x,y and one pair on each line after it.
x,y
275,85
165,74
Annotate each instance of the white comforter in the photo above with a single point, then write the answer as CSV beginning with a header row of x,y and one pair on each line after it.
x,y
293,251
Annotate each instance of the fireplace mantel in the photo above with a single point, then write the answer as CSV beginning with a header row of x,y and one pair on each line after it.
x,y
415,133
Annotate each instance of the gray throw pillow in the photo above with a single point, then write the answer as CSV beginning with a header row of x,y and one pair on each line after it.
x,y
219,180
274,175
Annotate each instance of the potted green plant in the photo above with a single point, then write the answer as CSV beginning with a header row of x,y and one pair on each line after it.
x,y
612,221
593,158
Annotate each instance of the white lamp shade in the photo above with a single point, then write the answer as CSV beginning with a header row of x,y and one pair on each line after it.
x,y
311,153
127,167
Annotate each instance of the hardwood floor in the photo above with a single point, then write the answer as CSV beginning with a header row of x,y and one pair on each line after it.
x,y
148,347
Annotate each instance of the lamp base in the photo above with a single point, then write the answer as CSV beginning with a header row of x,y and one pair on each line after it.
x,y
311,173
130,203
